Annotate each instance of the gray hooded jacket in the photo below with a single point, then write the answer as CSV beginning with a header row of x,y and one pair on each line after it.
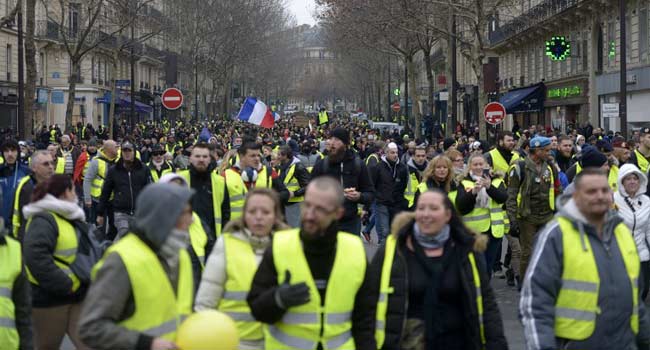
x,y
543,282
110,298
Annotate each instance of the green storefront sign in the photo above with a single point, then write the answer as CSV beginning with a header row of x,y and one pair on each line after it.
x,y
564,92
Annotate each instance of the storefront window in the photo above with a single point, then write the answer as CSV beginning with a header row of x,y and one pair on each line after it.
x,y
643,33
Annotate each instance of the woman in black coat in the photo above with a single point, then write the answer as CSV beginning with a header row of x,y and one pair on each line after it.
x,y
427,276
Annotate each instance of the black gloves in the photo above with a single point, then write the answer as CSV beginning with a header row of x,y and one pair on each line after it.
x,y
289,295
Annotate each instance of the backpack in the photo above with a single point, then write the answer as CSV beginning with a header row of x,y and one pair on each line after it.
x,y
89,252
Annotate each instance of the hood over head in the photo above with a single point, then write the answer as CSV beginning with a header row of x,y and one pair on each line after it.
x,y
626,170
157,209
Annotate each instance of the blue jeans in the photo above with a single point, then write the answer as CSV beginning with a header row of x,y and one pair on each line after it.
x,y
492,252
382,222
371,219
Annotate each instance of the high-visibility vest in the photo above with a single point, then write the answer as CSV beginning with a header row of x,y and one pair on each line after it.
x,y
411,186
11,262
642,161
218,190
612,176
385,290
423,187
328,323
576,307
483,219
53,136
551,188
322,118
241,266
16,218
159,310
65,251
98,181
292,184
373,155
499,163
60,165
163,171
198,238
237,189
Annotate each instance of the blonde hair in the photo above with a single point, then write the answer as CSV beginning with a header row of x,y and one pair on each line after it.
x,y
431,168
226,160
240,223
469,162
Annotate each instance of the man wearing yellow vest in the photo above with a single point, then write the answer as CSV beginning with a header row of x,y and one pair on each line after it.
x,y
94,179
311,289
143,287
211,202
641,156
15,298
59,162
532,188
295,177
158,166
581,287
42,169
500,157
249,172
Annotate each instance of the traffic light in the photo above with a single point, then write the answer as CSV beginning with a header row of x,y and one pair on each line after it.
x,y
396,92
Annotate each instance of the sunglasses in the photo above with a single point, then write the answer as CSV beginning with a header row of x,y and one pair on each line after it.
x,y
158,153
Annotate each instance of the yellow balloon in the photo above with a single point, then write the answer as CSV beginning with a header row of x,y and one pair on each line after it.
x,y
208,330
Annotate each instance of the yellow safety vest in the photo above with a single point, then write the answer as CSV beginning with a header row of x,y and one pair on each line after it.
x,y
11,262
241,266
322,118
292,184
16,217
159,310
642,161
163,172
98,181
237,189
483,219
385,290
374,155
411,186
65,251
218,189
499,163
300,327
53,136
551,189
198,238
422,187
612,177
60,165
576,307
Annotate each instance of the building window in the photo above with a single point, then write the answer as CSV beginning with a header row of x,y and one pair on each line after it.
x,y
643,33
9,62
92,70
585,53
73,19
42,66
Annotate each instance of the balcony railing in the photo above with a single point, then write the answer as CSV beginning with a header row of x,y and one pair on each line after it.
x,y
536,15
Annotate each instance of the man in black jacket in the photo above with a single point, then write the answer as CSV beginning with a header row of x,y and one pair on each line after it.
x,y
296,177
390,177
345,166
332,274
124,180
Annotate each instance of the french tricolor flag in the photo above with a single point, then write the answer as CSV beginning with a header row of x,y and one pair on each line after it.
x,y
256,112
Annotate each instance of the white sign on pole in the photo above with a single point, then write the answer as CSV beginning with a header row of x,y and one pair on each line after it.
x,y
610,110
444,96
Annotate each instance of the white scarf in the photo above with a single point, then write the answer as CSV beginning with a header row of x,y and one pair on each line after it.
x,y
66,209
482,197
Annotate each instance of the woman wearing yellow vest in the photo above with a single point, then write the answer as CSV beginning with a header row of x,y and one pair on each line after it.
x,y
54,222
438,174
143,287
480,201
432,285
232,264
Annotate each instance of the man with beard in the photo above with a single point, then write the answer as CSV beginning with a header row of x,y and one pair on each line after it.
x,y
346,167
307,273
416,166
211,200
501,157
10,174
564,154
158,166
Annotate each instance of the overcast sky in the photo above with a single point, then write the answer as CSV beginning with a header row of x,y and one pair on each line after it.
x,y
303,10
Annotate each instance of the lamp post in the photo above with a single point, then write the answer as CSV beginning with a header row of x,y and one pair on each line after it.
x,y
622,110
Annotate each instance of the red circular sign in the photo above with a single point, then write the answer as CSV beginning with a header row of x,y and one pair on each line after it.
x,y
396,107
494,113
172,99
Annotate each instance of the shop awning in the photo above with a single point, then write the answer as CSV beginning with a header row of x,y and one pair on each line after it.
x,y
124,104
528,99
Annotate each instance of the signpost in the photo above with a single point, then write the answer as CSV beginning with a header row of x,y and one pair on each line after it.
x,y
172,99
396,107
494,113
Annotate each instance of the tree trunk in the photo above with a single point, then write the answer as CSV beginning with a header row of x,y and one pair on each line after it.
x,y
482,101
111,107
71,94
430,81
30,67
417,114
